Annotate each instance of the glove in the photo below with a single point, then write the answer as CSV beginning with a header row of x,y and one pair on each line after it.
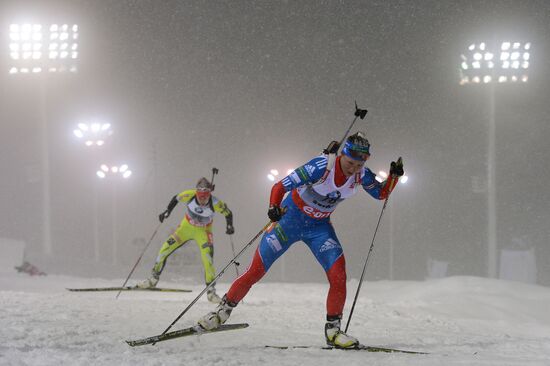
x,y
230,230
332,148
396,168
164,215
361,113
275,213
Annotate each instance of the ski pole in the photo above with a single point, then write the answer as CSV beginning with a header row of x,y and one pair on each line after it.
x,y
141,255
359,113
237,264
214,172
365,266
218,276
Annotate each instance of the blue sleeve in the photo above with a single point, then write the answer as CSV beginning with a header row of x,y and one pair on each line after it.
x,y
308,173
370,184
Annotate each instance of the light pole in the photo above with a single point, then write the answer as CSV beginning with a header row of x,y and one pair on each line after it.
x,y
491,64
37,50
274,174
114,173
94,135
382,175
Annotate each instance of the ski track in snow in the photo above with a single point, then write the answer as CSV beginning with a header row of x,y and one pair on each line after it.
x,y
458,320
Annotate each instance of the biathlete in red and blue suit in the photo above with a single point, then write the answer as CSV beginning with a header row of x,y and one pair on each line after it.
x,y
316,188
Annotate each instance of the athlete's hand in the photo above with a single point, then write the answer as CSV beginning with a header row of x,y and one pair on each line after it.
x,y
275,213
229,230
164,215
361,113
396,168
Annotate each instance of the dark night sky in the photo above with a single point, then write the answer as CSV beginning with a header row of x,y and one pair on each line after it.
x,y
246,86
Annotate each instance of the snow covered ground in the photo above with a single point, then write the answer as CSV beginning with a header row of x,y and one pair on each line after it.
x,y
458,320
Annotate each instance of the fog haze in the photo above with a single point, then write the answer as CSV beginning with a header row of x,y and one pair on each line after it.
x,y
251,86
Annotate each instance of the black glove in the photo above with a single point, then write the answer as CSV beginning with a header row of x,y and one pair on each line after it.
x,y
361,113
275,213
396,168
164,215
332,148
229,230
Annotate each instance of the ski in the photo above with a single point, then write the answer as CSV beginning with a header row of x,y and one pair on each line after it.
x,y
361,347
128,288
195,330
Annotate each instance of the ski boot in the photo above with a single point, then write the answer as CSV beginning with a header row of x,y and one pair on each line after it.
x,y
335,337
216,318
149,283
212,296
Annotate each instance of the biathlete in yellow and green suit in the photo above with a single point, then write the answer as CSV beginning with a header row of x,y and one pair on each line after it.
x,y
197,226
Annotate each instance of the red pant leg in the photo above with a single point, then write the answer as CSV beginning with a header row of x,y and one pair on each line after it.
x,y
240,287
336,298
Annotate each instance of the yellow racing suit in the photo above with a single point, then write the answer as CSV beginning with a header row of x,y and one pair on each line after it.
x,y
197,226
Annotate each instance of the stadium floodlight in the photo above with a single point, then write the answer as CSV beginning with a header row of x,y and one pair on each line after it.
x,y
274,173
93,134
272,176
382,175
504,62
125,171
114,171
28,54
34,48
